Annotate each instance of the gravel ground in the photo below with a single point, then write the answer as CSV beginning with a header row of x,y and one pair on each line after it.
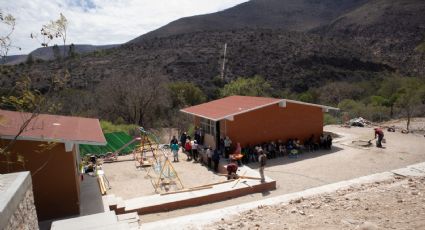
x,y
344,162
394,204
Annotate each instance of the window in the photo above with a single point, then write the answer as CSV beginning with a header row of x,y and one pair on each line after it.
x,y
208,126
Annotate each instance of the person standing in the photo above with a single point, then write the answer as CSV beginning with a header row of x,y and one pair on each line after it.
x,y
174,141
380,134
262,159
188,148
216,159
175,150
183,138
195,150
209,156
197,135
227,145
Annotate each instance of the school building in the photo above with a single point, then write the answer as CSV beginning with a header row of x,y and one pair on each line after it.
x,y
253,120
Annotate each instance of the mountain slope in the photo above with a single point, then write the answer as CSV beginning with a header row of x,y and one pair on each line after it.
x,y
46,53
291,60
391,29
293,15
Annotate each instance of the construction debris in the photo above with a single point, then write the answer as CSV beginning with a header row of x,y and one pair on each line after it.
x,y
359,122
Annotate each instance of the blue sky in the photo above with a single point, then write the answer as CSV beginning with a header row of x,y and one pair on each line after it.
x,y
100,22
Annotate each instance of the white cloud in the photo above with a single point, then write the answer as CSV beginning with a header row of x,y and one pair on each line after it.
x,y
101,22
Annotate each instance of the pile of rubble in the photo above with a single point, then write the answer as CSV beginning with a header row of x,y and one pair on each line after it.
x,y
359,122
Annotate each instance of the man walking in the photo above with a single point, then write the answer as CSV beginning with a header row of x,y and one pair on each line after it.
x,y
262,160
380,134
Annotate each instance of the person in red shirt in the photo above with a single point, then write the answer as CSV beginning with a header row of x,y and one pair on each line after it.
x,y
188,148
232,168
380,135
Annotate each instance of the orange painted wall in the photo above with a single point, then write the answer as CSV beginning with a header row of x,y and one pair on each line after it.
x,y
272,123
56,186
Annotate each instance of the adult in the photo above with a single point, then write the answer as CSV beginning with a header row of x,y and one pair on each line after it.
x,y
322,141
197,135
221,147
175,149
380,135
174,141
209,154
202,134
227,145
262,159
216,159
237,155
328,141
183,138
195,151
188,149
232,168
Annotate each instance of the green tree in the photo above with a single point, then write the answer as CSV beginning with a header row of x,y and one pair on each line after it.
x,y
410,97
185,94
389,91
255,86
353,108
309,96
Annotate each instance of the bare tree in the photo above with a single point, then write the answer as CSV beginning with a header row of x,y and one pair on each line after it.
x,y
53,30
137,98
7,25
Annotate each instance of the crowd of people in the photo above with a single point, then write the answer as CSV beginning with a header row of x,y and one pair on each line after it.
x,y
197,152
274,149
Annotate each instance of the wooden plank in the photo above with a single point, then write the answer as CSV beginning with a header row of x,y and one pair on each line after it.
x,y
206,185
185,190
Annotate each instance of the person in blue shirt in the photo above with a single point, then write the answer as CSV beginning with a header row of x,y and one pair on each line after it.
x,y
175,150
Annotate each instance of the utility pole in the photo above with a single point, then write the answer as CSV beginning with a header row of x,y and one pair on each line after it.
x,y
224,62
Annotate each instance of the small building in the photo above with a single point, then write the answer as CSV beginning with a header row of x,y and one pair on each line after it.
x,y
253,120
48,147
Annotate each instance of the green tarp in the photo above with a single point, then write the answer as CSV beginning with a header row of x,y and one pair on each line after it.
x,y
114,141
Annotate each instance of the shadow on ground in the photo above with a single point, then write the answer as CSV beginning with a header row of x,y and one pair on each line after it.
x,y
303,156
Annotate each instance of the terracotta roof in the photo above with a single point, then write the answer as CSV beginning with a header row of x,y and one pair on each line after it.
x,y
46,127
227,107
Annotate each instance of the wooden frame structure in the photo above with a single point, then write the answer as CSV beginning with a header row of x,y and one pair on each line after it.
x,y
161,172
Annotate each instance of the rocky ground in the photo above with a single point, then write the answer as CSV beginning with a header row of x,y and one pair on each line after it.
x,y
393,204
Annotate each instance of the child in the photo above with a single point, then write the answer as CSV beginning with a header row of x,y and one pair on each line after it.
x,y
175,150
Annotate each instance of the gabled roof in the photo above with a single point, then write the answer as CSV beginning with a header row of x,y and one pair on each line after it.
x,y
228,107
45,127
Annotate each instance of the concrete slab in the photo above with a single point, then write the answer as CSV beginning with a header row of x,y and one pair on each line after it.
x,y
128,216
86,222
91,199
159,203
411,170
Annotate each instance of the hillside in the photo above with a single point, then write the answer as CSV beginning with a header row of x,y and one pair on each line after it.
x,y
46,53
287,59
391,30
291,15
